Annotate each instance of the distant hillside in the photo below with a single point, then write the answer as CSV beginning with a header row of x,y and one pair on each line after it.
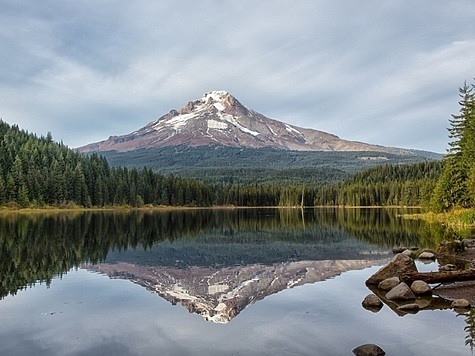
x,y
221,164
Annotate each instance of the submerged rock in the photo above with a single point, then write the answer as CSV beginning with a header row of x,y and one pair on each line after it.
x,y
424,301
369,350
421,288
399,265
412,308
372,302
401,292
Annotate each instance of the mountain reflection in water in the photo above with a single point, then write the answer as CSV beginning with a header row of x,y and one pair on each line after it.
x,y
220,294
213,262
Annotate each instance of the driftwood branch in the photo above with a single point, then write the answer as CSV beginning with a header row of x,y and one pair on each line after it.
x,y
439,277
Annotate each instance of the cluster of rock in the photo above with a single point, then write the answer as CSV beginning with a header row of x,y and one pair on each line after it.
x,y
388,287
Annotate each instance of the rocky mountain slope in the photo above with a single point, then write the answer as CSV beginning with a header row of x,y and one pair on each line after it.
x,y
218,118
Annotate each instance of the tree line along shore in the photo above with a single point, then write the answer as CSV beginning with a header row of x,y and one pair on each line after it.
x,y
36,172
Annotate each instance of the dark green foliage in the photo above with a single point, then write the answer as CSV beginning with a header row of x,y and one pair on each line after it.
x,y
456,186
232,165
470,328
283,177
36,172
387,185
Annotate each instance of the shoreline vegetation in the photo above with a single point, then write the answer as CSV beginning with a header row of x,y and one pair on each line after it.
x,y
37,172
40,209
458,219
461,219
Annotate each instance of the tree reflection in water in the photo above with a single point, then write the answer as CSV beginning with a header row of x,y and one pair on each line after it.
x,y
36,248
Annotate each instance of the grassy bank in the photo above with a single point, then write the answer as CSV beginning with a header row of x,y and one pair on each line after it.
x,y
456,218
12,209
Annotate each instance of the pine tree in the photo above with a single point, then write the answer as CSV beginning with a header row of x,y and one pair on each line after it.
x,y
23,199
2,191
455,186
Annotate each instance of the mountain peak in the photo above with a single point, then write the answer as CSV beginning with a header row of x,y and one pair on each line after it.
x,y
218,118
215,95
220,100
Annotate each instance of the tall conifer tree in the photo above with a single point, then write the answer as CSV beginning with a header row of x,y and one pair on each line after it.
x,y
455,186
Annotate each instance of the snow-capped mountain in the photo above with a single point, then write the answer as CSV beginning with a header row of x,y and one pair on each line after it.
x,y
218,118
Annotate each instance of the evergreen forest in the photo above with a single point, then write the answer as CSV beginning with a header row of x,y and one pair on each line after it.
x,y
38,172
216,164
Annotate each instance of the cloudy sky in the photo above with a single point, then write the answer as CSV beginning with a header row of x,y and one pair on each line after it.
x,y
382,72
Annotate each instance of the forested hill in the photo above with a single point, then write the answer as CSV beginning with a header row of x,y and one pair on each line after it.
x,y
277,167
398,173
385,185
37,171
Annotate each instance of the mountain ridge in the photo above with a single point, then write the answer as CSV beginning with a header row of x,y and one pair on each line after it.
x,y
218,118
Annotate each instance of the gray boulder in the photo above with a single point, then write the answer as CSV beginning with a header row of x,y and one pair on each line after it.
x,y
369,350
372,302
399,249
421,288
389,283
407,252
427,256
447,267
469,243
398,265
401,292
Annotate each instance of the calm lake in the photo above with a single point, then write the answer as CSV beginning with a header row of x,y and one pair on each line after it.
x,y
212,282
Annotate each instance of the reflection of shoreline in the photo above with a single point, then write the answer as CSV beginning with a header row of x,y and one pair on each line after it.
x,y
194,237
220,294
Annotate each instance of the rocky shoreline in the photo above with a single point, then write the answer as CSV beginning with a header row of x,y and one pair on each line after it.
x,y
400,285
388,285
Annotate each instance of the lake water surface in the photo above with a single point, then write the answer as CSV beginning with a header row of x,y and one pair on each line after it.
x,y
212,282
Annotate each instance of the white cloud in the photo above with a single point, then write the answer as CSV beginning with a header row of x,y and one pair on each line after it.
x,y
365,71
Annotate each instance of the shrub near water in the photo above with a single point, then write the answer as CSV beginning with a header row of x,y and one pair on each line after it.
x,y
467,217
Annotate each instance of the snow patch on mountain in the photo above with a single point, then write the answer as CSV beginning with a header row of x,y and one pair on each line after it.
x,y
219,106
216,95
180,121
291,129
270,129
218,125
232,120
